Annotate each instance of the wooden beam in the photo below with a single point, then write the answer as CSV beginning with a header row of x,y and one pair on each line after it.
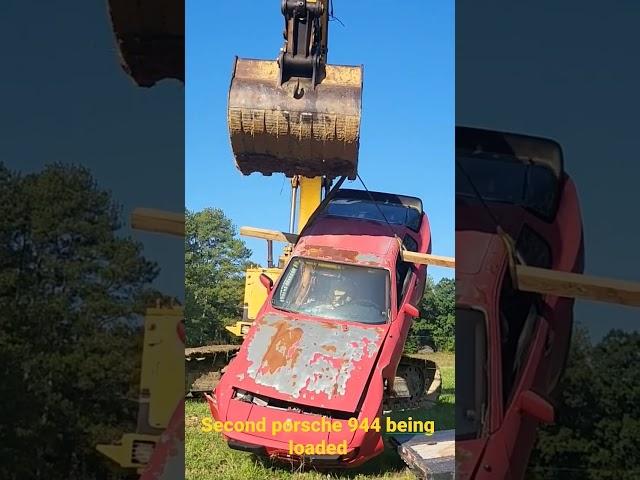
x,y
574,285
429,456
159,221
265,234
428,259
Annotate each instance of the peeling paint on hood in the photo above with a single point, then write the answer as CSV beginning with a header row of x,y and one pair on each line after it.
x,y
311,362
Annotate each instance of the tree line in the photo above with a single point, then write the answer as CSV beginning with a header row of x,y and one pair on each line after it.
x,y
596,435
72,291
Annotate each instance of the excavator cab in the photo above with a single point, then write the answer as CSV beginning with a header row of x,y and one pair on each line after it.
x,y
296,115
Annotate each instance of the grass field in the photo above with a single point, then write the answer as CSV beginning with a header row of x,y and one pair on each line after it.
x,y
209,458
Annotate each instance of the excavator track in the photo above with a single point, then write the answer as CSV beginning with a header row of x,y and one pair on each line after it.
x,y
204,367
418,384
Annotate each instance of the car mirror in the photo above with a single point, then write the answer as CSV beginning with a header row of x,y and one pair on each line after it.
x,y
410,310
537,407
266,281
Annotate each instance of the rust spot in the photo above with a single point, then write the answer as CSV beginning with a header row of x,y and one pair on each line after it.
x,y
340,255
282,350
332,326
298,357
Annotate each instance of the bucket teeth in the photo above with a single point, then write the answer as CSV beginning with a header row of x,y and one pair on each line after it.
x,y
294,128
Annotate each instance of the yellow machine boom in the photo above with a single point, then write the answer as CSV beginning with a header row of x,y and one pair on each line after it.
x,y
162,367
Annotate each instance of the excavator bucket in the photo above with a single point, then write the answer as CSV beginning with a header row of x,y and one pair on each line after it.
x,y
294,128
150,38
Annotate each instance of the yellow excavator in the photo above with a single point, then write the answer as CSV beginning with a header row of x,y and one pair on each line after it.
x,y
298,116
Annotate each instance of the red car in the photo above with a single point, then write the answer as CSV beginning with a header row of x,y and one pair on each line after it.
x,y
515,343
327,342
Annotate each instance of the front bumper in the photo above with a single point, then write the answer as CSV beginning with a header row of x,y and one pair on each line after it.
x,y
278,450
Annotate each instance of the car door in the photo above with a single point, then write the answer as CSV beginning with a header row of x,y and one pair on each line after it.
x,y
523,334
536,252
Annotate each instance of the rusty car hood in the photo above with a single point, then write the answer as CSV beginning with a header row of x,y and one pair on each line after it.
x,y
313,362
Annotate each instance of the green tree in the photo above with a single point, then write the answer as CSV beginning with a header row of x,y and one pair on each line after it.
x,y
70,289
436,325
215,261
597,429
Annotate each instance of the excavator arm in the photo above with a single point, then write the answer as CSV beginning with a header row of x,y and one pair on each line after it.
x,y
306,28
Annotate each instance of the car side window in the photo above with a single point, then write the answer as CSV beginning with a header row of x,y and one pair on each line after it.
x,y
518,318
471,373
410,243
534,248
403,269
403,274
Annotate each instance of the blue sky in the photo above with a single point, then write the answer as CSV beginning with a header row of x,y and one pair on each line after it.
x,y
71,102
407,137
585,97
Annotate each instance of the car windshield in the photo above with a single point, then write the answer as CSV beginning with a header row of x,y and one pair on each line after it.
x,y
334,291
471,373
395,214
505,180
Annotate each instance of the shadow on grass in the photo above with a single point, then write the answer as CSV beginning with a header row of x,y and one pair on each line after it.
x,y
442,413
388,462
